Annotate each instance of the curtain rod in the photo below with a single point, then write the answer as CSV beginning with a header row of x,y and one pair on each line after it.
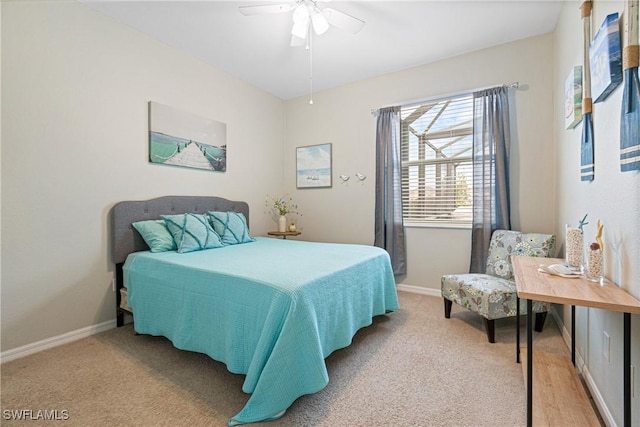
x,y
514,85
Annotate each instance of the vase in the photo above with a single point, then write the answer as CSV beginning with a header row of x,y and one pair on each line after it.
x,y
595,264
282,224
574,248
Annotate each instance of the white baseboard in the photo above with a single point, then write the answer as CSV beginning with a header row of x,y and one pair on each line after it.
x,y
606,415
419,290
581,366
16,353
36,347
39,346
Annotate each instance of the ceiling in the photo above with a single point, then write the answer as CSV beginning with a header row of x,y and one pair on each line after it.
x,y
397,35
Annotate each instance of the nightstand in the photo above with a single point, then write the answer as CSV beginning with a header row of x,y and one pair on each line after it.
x,y
284,234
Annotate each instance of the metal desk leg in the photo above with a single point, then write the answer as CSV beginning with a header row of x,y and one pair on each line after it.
x,y
573,335
529,363
517,329
627,369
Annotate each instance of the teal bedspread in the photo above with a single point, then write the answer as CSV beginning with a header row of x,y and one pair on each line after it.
x,y
271,309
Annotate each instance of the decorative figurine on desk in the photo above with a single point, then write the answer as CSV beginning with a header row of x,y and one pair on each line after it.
x,y
292,227
595,259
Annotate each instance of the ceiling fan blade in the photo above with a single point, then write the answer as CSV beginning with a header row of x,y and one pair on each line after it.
x,y
342,20
264,9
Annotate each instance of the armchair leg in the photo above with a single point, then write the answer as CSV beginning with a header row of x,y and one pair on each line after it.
x,y
447,308
491,330
540,318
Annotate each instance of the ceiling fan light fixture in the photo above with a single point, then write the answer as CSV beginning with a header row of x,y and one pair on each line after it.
x,y
301,14
307,15
300,29
320,23
297,41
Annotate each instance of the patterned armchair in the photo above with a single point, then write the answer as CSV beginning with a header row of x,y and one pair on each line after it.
x,y
493,295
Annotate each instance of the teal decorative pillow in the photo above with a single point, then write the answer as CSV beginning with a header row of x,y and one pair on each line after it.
x,y
192,232
156,235
231,227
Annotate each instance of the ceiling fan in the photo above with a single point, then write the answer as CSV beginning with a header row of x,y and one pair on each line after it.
x,y
307,15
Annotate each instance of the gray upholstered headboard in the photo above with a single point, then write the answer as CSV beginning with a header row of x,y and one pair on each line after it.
x,y
125,239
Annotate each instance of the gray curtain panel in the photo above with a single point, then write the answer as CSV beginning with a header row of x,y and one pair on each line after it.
x,y
389,229
491,145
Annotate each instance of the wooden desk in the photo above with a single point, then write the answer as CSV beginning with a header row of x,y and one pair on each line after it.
x,y
534,285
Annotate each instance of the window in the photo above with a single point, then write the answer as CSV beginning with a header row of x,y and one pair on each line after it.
x,y
437,169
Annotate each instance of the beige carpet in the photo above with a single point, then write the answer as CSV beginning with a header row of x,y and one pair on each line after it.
x,y
410,368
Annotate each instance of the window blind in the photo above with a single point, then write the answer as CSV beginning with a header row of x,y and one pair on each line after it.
x,y
436,149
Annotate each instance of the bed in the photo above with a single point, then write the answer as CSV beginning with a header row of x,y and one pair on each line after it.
x,y
270,309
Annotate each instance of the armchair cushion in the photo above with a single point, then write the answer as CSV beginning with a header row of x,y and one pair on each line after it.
x,y
491,297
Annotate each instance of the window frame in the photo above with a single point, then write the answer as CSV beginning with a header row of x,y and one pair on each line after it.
x,y
459,130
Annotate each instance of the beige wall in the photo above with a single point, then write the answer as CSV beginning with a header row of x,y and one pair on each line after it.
x,y
343,117
75,87
613,197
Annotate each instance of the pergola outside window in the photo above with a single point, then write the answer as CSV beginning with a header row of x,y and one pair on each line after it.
x,y
436,152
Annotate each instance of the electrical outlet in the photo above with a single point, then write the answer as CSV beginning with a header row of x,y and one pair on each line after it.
x,y
633,381
113,284
606,346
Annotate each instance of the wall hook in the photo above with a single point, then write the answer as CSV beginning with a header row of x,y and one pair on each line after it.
x,y
360,176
